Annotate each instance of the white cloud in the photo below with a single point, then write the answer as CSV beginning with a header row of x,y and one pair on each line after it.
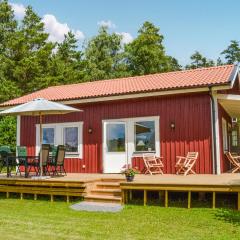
x,y
126,37
107,23
57,30
19,10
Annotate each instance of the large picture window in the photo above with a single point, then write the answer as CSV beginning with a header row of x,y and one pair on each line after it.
x,y
68,134
144,136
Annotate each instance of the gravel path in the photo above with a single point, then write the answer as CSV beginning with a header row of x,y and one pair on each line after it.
x,y
97,207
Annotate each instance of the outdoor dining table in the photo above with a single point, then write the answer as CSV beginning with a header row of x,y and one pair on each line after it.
x,y
26,161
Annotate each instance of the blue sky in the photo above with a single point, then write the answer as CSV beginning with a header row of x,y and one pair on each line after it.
x,y
187,25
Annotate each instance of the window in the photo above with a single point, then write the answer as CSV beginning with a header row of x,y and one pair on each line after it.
x,y
71,139
234,138
115,137
68,134
144,136
48,136
225,135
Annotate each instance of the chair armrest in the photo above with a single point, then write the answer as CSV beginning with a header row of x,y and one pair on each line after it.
x,y
180,157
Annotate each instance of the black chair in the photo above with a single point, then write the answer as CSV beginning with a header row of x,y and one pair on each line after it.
x,y
57,163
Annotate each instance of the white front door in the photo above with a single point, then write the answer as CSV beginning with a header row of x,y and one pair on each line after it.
x,y
114,146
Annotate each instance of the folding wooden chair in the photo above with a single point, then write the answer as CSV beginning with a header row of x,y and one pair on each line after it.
x,y
185,165
235,161
152,164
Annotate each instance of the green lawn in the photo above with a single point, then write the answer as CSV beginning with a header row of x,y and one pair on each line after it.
x,y
22,219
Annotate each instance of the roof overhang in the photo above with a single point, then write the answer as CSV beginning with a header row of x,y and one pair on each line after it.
x,y
231,104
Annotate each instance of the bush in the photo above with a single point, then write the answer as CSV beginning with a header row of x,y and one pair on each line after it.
x,y
8,131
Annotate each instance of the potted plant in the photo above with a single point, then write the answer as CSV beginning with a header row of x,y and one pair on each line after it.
x,y
130,173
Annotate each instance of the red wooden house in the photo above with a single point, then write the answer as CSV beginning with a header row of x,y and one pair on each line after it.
x,y
166,113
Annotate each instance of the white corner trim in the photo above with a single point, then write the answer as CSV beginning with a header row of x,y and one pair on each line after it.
x,y
18,138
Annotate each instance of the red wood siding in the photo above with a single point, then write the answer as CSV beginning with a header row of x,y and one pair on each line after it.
x,y
225,165
191,114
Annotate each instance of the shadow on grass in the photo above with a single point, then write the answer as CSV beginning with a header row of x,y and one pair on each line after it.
x,y
227,215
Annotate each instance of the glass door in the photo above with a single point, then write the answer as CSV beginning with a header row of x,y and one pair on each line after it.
x,y
114,147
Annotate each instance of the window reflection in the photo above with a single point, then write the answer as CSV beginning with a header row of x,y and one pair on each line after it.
x,y
48,136
115,137
71,139
144,136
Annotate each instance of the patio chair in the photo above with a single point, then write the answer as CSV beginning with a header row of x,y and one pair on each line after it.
x,y
235,161
153,164
185,165
57,163
23,160
45,149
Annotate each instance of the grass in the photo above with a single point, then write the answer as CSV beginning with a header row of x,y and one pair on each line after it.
x,y
20,219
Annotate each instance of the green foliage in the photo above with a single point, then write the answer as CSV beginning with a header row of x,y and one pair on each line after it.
x,y
232,53
146,53
8,131
198,61
102,55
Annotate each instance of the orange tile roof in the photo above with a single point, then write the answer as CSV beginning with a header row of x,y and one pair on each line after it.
x,y
220,75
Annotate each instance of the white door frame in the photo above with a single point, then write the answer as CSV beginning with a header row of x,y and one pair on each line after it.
x,y
130,137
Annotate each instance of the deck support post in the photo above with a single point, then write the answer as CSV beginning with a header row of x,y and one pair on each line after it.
x,y
145,197
35,196
7,194
130,195
52,198
189,200
68,198
166,198
21,196
214,200
123,197
238,205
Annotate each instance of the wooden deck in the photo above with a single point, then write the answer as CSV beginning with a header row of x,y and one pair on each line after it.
x,y
81,185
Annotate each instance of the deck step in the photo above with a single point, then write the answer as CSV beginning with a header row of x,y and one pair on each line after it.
x,y
112,180
108,185
102,198
106,191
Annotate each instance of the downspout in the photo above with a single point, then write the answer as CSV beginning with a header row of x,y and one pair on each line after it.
x,y
214,148
215,132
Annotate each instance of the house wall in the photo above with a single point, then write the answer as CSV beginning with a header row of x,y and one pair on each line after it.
x,y
225,165
191,114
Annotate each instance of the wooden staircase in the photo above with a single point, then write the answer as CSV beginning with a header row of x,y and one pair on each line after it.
x,y
105,190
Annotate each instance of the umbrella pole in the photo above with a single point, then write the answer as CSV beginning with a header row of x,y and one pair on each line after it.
x,y
40,121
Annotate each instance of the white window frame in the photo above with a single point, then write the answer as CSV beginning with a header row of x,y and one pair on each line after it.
x,y
59,136
225,134
130,134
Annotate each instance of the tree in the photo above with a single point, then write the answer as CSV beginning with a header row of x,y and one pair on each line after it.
x,y
198,61
67,64
8,24
146,53
103,55
232,53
